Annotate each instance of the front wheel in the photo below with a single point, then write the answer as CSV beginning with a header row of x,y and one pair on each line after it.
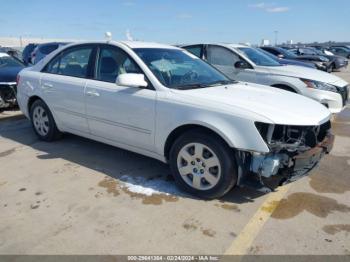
x,y
43,123
330,68
203,165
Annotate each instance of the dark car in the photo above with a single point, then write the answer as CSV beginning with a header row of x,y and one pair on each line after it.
x,y
43,50
336,62
321,62
12,52
343,50
27,52
288,61
9,68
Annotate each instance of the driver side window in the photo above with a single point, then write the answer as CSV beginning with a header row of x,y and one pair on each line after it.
x,y
112,62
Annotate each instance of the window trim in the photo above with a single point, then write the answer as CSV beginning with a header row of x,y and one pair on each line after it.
x,y
96,58
66,50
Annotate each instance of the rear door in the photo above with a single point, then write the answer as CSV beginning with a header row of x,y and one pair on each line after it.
x,y
63,82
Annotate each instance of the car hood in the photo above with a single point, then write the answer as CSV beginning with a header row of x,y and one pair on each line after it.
x,y
9,74
309,57
305,73
297,63
258,102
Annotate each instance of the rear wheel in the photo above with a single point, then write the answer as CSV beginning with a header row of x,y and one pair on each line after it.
x,y
43,123
203,165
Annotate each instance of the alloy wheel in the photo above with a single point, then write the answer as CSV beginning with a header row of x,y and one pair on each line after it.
x,y
199,166
41,120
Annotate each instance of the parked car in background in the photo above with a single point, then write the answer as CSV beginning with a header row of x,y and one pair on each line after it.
x,y
27,52
336,62
248,64
343,51
15,53
165,103
9,68
323,49
43,50
321,62
283,61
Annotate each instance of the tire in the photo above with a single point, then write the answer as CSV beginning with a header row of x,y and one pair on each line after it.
x,y
43,123
215,163
330,68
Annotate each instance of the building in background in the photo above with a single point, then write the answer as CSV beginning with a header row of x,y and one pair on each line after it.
x,y
265,42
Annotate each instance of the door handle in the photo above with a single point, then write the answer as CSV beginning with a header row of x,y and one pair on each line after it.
x,y
47,86
93,93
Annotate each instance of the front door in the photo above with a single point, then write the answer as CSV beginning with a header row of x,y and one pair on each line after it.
x,y
119,113
224,60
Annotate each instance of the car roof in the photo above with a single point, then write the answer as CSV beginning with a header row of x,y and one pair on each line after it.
x,y
139,44
130,44
53,43
230,45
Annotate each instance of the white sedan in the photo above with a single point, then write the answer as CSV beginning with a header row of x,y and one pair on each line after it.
x,y
248,64
165,103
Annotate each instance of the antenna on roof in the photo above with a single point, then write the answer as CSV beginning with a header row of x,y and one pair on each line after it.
x,y
108,36
128,35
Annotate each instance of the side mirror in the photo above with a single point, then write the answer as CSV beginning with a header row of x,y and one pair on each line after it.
x,y
131,80
242,65
280,56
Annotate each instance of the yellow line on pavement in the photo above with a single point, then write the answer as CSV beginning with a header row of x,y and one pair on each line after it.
x,y
244,240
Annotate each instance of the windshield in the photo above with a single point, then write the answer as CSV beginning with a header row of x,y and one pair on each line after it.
x,y
286,53
269,55
258,57
316,51
8,61
176,68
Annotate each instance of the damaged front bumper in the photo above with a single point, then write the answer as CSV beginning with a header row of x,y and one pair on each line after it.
x,y
300,165
286,162
8,91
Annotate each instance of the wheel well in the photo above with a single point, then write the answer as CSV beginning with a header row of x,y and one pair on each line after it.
x,y
31,101
186,128
285,87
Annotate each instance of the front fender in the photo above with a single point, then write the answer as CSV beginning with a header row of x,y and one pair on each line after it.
x,y
239,133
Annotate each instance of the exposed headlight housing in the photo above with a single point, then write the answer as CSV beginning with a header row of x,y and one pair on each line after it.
x,y
319,85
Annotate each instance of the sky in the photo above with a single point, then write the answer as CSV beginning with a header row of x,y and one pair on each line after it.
x,y
178,21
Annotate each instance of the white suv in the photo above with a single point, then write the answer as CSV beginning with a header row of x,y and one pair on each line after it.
x,y
248,64
165,103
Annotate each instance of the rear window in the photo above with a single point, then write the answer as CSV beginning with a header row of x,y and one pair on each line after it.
x,y
47,49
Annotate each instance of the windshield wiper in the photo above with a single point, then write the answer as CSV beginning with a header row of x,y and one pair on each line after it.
x,y
201,85
191,86
222,82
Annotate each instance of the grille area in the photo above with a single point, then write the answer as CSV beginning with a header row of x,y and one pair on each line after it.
x,y
295,136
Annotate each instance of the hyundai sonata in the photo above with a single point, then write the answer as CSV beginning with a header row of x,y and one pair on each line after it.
x,y
165,103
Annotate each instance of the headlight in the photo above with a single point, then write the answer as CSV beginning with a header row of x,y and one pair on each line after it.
x,y
324,59
319,85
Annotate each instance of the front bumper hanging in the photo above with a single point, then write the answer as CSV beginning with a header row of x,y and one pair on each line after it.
x,y
267,172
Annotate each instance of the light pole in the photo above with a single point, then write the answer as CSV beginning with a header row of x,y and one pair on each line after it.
x,y
276,37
